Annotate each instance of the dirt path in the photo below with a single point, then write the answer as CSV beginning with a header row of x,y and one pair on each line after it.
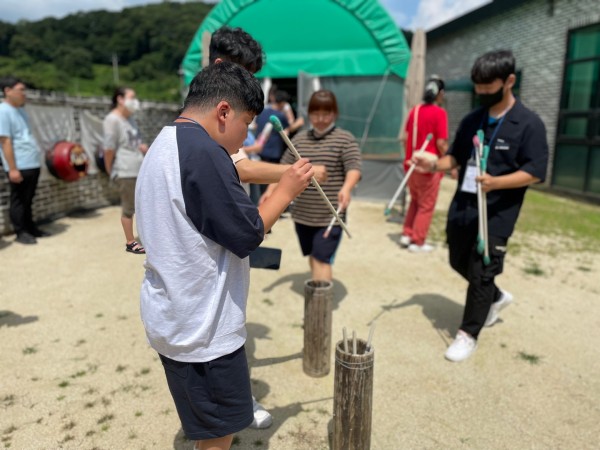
x,y
77,373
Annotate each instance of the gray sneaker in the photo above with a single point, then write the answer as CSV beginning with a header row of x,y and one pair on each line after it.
x,y
494,314
262,418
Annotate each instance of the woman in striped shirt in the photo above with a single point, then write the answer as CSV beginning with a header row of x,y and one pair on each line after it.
x,y
335,148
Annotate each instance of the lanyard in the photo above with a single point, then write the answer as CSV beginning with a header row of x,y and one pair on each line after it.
x,y
491,140
191,120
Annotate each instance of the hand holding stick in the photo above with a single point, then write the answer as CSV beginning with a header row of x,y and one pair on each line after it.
x,y
330,226
279,128
481,155
390,205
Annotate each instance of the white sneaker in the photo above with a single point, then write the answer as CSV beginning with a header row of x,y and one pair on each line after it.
x,y
463,346
262,418
492,317
404,241
425,248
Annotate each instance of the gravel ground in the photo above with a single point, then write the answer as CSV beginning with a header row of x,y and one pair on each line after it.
x,y
77,372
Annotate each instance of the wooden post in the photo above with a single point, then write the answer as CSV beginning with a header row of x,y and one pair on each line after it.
x,y
318,296
353,397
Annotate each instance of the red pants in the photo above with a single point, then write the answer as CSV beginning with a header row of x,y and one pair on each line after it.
x,y
424,190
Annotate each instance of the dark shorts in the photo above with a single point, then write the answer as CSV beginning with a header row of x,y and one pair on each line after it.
x,y
314,244
213,399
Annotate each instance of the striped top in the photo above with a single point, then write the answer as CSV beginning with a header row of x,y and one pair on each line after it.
x,y
339,152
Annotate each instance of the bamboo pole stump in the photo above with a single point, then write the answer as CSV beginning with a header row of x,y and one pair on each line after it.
x,y
353,397
318,298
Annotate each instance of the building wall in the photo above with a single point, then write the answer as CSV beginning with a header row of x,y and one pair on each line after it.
x,y
55,197
536,31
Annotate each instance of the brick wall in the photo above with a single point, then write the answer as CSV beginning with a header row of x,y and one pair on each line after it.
x,y
55,197
536,31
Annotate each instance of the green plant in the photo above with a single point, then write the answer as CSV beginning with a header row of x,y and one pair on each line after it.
x,y
530,358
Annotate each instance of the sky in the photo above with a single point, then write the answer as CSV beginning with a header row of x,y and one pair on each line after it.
x,y
408,14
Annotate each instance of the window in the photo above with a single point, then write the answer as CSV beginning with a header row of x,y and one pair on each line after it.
x,y
577,156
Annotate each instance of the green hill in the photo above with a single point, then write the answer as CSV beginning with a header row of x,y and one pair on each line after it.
x,y
75,54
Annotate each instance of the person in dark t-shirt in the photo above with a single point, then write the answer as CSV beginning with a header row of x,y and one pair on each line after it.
x,y
518,158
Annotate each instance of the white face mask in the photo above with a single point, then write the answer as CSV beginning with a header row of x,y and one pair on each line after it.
x,y
132,105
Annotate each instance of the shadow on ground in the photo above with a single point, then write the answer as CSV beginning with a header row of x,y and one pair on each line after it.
x,y
255,439
443,313
297,285
11,319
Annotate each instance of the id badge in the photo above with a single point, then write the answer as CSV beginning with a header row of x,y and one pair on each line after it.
x,y
469,183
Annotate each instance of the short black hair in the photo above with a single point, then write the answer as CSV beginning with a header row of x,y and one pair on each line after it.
x,y
493,65
9,82
235,45
118,92
225,81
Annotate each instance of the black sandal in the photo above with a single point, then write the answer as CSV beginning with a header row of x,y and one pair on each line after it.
x,y
135,247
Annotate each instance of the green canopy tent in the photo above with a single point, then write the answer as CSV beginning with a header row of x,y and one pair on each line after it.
x,y
351,47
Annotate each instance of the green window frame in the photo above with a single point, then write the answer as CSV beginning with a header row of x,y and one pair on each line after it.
x,y
577,156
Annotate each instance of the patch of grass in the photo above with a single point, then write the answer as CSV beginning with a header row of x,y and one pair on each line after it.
x,y
69,426
89,405
138,414
29,350
105,427
79,374
132,435
105,418
8,400
60,397
503,345
584,269
530,358
63,384
165,412
257,443
322,411
34,379
99,315
90,391
120,368
268,301
80,342
550,214
90,433
10,430
68,437
144,371
40,420
106,401
121,317
534,269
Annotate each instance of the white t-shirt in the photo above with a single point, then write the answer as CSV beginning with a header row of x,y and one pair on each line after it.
x,y
198,227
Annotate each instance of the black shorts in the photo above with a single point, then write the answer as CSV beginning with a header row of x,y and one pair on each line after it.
x,y
213,399
314,244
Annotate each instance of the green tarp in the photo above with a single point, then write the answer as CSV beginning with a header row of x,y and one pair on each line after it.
x,y
321,37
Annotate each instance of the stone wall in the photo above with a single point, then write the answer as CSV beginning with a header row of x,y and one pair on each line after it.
x,y
55,197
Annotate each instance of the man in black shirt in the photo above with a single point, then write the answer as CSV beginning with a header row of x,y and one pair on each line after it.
x,y
518,158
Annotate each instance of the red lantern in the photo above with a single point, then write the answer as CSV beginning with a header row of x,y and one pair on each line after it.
x,y
67,161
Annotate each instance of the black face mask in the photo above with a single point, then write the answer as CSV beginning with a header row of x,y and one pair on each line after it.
x,y
489,100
